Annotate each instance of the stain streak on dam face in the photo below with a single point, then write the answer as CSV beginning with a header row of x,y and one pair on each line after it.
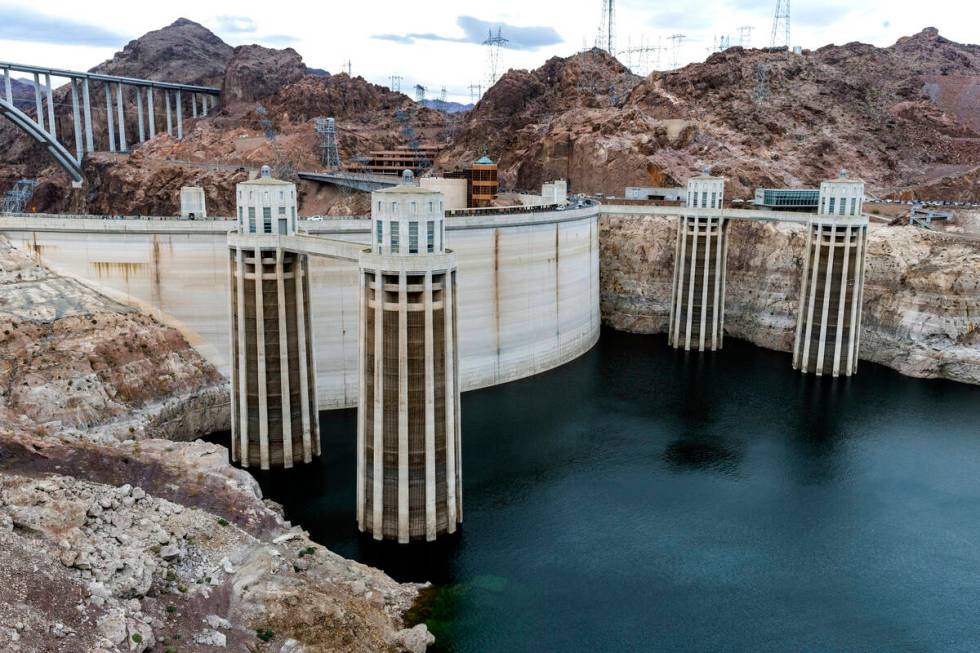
x,y
528,287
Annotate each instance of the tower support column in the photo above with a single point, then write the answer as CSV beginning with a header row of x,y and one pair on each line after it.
x,y
697,312
408,440
829,319
274,388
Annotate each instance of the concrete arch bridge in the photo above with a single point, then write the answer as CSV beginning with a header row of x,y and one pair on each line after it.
x,y
80,137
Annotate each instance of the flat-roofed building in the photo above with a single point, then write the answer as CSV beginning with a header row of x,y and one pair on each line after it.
x,y
787,199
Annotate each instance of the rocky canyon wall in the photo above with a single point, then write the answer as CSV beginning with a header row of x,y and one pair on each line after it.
x,y
116,537
921,301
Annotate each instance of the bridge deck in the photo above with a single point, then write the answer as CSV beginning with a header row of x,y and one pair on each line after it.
x,y
357,181
313,245
130,81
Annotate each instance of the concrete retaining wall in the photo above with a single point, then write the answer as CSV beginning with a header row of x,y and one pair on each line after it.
x,y
528,286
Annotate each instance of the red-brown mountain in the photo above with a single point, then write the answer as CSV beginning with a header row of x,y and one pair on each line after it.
x,y
901,117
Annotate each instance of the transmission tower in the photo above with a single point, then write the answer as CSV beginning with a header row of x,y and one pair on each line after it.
x,y
606,36
476,91
265,122
761,83
347,67
17,198
780,25
745,36
326,129
677,40
443,95
642,52
396,83
494,43
419,93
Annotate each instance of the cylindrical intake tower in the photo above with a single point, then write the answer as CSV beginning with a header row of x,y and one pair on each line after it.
x,y
409,472
273,385
697,306
828,326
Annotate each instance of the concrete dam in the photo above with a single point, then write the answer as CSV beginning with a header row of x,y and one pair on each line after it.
x,y
528,286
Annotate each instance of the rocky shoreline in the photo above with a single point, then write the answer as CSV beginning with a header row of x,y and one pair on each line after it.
x,y
921,303
114,535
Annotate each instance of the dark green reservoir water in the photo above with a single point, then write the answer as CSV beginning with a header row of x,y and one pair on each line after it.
x,y
642,499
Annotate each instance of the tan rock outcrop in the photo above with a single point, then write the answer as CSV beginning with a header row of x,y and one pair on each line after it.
x,y
921,301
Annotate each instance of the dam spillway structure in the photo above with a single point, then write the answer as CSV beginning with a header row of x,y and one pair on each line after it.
x,y
828,327
273,399
409,472
697,307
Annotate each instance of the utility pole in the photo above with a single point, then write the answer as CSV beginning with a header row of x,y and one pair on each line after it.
x,y
396,83
494,43
347,67
780,25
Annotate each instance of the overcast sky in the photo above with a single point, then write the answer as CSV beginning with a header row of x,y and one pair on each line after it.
x,y
437,42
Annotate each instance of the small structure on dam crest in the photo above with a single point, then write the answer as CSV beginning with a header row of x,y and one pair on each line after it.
x,y
192,202
828,326
273,407
697,307
409,479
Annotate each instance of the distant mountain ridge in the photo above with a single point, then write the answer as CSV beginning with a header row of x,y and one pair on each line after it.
x,y
446,107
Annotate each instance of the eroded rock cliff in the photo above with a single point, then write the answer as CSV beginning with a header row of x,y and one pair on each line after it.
x,y
921,303
116,537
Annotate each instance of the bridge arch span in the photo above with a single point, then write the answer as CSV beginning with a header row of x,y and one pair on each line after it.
x,y
71,165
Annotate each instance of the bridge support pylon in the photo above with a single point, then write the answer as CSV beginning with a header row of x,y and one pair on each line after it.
x,y
273,394
697,307
828,326
409,472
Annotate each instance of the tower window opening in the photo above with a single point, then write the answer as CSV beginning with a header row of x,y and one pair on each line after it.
x,y
413,237
430,232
